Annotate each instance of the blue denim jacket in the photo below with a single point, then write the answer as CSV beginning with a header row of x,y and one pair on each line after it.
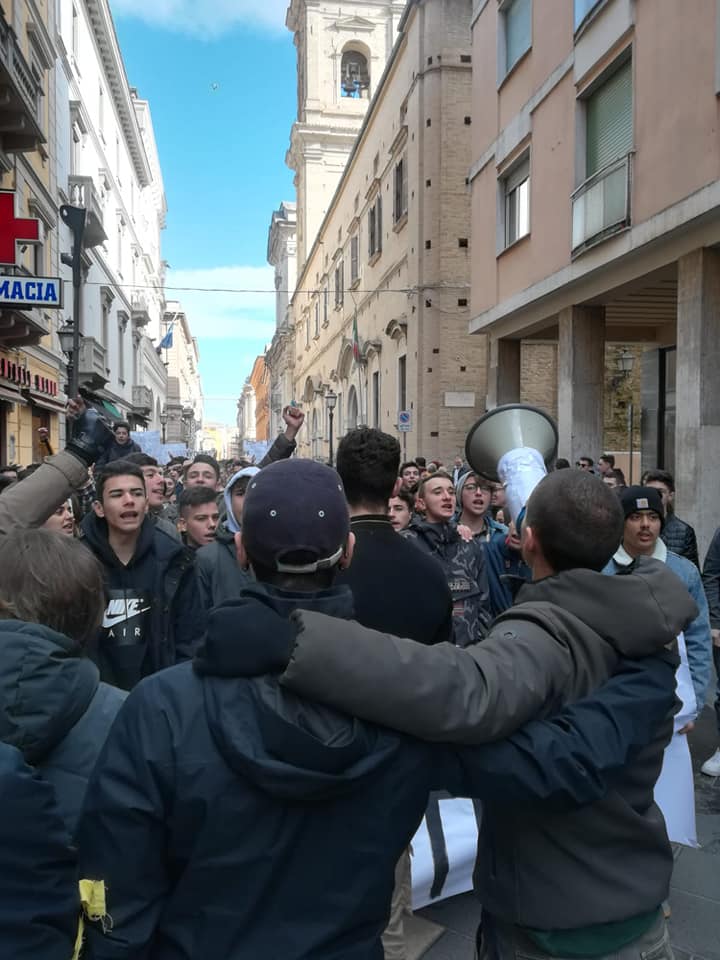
x,y
698,639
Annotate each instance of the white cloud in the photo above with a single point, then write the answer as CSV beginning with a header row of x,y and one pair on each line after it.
x,y
189,16
215,310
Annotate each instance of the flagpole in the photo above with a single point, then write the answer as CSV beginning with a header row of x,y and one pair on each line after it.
x,y
356,354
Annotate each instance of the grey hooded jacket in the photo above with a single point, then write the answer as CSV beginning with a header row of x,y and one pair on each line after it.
x,y
605,862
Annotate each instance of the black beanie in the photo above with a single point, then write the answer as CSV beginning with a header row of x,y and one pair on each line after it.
x,y
634,499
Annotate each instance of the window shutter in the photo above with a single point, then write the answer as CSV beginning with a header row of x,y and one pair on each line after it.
x,y
378,224
518,31
609,121
516,177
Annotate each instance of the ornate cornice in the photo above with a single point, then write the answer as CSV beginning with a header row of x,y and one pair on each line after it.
x,y
109,50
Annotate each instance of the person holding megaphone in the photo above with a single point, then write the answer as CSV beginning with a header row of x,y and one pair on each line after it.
x,y
587,882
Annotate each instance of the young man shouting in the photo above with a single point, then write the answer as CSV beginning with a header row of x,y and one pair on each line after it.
x,y
462,561
153,618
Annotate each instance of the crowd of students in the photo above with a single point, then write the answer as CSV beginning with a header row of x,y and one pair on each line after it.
x,y
233,805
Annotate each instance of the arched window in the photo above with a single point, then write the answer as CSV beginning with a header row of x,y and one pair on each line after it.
x,y
354,75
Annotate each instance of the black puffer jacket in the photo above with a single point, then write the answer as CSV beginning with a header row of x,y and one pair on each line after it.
x,y
54,708
39,903
679,537
711,580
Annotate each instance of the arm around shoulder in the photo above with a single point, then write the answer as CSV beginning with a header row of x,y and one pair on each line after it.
x,y
439,693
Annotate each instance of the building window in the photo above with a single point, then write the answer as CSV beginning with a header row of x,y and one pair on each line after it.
x,y
516,187
354,259
120,233
121,349
402,382
339,285
75,33
400,190
375,228
77,147
354,75
106,325
326,297
101,112
317,318
39,259
376,398
609,121
582,10
601,204
307,330
515,33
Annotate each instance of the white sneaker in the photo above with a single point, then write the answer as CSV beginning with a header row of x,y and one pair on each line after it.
x,y
711,767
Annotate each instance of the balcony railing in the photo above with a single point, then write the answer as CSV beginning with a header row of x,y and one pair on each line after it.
x,y
92,363
140,309
142,400
21,129
83,194
601,205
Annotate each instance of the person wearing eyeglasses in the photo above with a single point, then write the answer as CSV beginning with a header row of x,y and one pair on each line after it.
x,y
474,497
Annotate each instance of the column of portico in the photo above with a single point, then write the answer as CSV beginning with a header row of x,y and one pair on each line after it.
x,y
697,423
581,375
503,372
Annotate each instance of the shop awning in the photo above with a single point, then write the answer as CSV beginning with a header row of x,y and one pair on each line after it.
x,y
44,402
112,409
11,396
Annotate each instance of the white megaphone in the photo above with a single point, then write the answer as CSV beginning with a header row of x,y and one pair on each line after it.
x,y
514,444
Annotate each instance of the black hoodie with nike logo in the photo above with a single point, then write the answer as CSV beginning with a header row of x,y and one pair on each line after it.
x,y
152,616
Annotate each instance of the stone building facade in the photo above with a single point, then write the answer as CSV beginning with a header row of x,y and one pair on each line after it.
x,y
31,364
280,355
181,357
381,308
595,193
342,49
108,162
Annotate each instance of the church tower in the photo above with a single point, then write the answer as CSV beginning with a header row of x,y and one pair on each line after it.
x,y
342,49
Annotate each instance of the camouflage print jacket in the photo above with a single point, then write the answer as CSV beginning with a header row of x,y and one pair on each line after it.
x,y
465,568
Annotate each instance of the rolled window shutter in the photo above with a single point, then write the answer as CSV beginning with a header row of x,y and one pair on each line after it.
x,y
609,121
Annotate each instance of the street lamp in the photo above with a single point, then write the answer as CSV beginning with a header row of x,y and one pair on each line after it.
x,y
75,219
330,400
626,361
163,422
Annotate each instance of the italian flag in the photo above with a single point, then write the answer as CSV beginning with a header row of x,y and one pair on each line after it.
x,y
355,340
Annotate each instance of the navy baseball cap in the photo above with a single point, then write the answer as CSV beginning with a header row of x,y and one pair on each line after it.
x,y
296,517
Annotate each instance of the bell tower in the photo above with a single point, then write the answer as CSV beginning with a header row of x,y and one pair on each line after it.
x,y
342,49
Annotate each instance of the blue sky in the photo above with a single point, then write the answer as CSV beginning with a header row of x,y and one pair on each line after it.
x,y
223,98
